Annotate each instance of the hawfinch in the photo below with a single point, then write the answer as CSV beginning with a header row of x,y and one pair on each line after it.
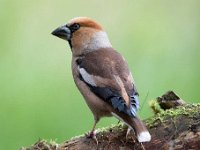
x,y
102,75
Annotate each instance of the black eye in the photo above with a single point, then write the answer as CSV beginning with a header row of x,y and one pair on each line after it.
x,y
74,27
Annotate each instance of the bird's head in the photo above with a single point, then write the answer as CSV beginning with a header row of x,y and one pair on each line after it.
x,y
83,35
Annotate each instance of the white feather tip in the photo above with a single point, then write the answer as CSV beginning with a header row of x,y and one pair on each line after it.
x,y
144,137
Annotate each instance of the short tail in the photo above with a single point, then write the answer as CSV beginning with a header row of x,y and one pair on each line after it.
x,y
140,129
136,124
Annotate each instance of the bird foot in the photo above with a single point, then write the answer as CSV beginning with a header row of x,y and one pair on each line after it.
x,y
92,135
127,133
133,137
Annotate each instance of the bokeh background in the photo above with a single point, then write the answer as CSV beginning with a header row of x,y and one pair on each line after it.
x,y
38,99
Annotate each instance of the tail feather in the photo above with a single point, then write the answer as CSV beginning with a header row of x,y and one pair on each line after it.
x,y
136,124
142,133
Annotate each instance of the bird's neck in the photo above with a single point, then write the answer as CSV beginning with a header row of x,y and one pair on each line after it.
x,y
99,40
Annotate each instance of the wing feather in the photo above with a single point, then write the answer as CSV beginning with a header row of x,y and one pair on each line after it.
x,y
109,78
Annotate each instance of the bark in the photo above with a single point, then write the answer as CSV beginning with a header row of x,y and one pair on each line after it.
x,y
174,127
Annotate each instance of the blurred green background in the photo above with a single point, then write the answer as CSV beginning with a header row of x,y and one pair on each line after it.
x,y
38,98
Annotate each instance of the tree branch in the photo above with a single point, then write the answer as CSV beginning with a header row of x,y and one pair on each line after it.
x,y
176,127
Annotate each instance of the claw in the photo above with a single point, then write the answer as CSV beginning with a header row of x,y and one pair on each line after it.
x,y
92,135
127,133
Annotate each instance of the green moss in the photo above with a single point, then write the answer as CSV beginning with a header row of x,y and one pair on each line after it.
x,y
118,127
161,117
77,136
188,109
155,106
43,144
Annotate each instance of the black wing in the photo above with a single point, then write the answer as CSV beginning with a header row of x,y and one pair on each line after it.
x,y
115,100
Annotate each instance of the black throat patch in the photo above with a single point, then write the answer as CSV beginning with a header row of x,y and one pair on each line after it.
x,y
70,43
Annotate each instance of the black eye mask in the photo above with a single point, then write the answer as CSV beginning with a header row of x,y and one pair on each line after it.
x,y
74,27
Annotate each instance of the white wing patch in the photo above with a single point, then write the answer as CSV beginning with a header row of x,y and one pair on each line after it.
x,y
86,76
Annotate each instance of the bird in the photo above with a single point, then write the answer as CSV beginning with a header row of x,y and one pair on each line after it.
x,y
102,75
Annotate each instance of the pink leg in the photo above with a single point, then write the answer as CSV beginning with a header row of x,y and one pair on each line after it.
x,y
92,133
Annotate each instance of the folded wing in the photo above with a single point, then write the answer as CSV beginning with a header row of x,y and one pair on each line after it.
x,y
107,75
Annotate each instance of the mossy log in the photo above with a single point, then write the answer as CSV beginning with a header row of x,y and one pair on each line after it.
x,y
171,129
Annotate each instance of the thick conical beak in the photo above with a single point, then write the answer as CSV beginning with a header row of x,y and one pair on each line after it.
x,y
62,32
